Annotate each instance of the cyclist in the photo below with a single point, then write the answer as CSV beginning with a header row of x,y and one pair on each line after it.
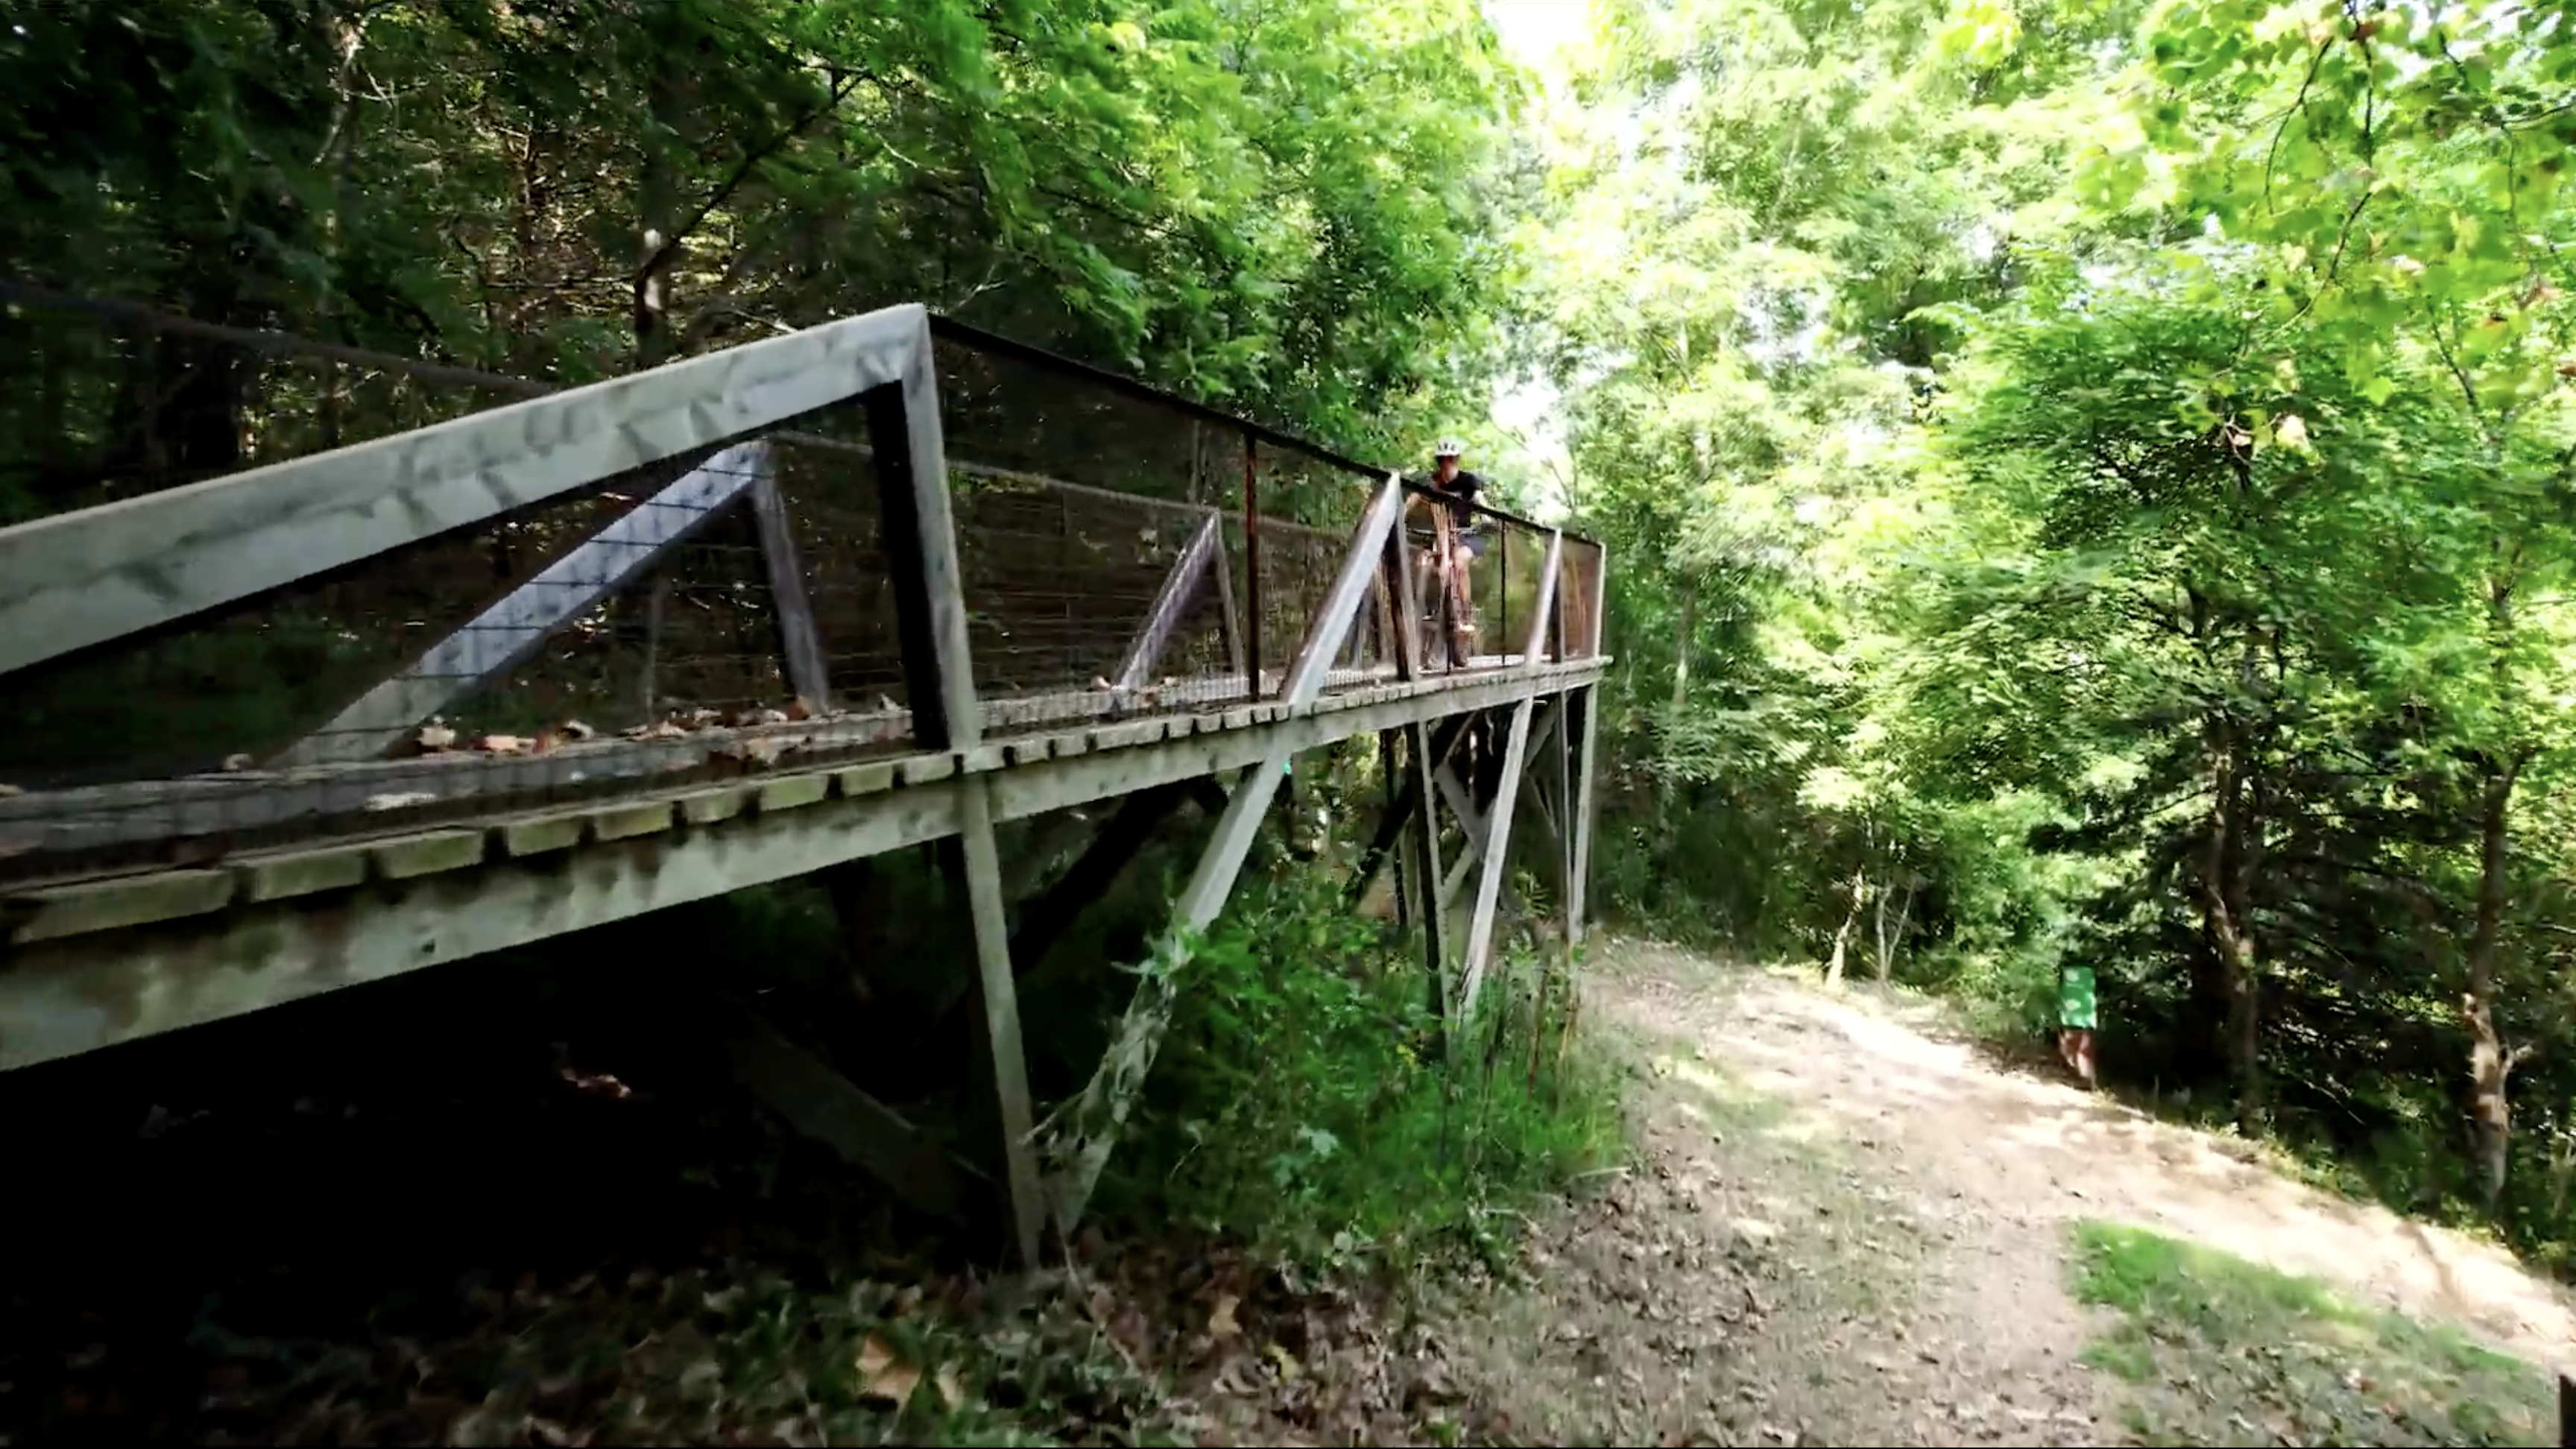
x,y
1454,490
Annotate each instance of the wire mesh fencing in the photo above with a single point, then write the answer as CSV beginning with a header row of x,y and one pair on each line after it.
x,y
730,610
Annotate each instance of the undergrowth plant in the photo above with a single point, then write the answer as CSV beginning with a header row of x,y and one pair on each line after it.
x,y
1310,1103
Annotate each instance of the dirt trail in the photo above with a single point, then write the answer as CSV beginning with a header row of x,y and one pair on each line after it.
x,y
1849,1226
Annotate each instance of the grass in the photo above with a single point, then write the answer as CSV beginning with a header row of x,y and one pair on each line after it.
x,y
1307,1105
2217,1349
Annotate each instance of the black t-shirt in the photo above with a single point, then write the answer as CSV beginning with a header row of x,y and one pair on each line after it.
x,y
1461,492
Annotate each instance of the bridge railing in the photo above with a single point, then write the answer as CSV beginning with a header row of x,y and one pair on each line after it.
x,y
427,594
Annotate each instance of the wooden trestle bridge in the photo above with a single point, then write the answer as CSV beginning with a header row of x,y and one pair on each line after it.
x,y
400,733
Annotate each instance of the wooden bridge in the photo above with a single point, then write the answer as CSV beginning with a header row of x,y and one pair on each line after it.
x,y
352,709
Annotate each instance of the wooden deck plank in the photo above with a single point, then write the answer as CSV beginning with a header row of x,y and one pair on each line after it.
x,y
78,992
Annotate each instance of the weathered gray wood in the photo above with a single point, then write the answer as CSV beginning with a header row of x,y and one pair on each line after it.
x,y
1423,847
1077,1151
1497,843
1406,801
800,644
508,632
921,555
1229,622
201,805
820,1103
648,684
1180,588
350,795
1561,830
119,985
1583,811
82,992
1600,595
1472,820
1001,998
79,579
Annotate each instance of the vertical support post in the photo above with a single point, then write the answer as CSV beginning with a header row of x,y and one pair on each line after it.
x,y
1503,582
1580,813
1229,619
1422,851
1564,752
656,599
800,645
1388,763
930,615
1489,888
1252,566
1600,596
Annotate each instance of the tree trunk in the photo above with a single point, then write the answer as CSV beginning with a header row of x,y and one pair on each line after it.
x,y
2223,915
1682,635
1851,920
1889,940
2490,1064
657,204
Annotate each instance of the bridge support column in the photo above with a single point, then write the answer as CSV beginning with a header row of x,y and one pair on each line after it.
x,y
930,618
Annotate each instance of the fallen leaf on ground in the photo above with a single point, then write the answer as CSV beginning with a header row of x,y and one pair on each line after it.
x,y
884,1376
1221,1322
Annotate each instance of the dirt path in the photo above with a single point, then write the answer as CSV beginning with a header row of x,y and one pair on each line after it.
x,y
1848,1226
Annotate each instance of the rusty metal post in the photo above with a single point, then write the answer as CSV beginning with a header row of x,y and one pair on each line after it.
x,y
1252,567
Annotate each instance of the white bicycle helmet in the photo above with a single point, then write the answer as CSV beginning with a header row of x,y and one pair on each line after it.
x,y
1449,448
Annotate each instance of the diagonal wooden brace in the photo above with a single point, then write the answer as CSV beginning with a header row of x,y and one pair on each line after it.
x,y
509,631
1489,888
1181,586
1077,1139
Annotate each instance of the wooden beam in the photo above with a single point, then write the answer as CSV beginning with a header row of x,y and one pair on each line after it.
x,y
1229,620
1586,807
1045,919
1171,605
1000,994
1079,1147
800,643
1423,851
1480,925
79,993
1408,797
815,1099
80,579
511,630
921,557
930,613
339,799
1472,820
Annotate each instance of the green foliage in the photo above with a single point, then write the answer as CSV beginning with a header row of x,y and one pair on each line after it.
x,y
2197,1327
1287,211
1303,1102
